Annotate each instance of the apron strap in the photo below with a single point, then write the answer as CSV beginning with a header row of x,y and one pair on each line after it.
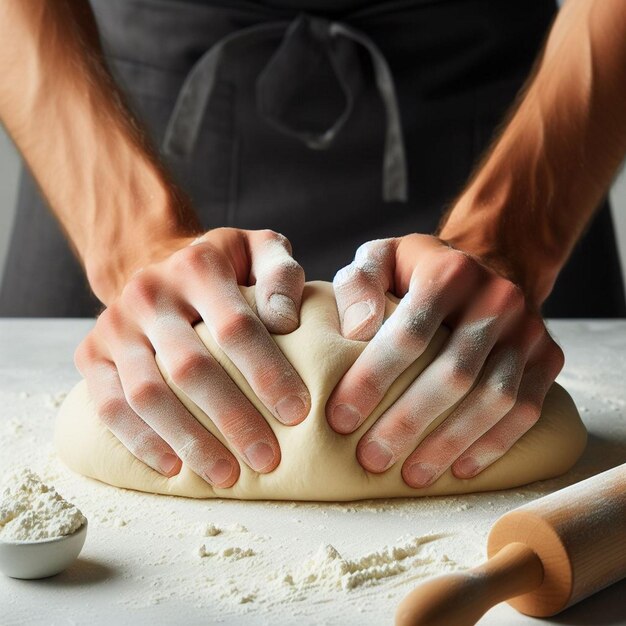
x,y
395,178
317,42
184,124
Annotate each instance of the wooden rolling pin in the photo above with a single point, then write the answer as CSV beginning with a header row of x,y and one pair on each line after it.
x,y
543,557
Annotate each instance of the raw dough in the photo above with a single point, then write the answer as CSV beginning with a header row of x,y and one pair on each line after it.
x,y
317,463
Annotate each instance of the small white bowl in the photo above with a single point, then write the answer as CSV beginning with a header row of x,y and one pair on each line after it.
x,y
41,558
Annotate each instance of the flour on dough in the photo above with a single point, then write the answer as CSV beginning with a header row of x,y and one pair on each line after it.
x,y
317,463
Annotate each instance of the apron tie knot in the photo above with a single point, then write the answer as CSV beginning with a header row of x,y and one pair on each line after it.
x,y
315,56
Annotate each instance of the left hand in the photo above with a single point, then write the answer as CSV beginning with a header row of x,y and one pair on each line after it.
x,y
498,362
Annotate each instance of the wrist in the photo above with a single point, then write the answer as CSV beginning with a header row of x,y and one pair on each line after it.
x,y
138,229
108,275
490,230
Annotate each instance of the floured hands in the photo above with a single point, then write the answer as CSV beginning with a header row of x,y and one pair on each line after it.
x,y
155,313
498,362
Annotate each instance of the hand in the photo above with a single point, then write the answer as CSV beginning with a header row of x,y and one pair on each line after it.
x,y
155,314
498,362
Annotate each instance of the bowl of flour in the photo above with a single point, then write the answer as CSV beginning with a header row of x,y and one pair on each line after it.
x,y
41,533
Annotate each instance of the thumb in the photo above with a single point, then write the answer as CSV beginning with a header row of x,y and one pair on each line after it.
x,y
361,286
279,281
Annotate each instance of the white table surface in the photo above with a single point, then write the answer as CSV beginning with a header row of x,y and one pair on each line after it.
x,y
140,563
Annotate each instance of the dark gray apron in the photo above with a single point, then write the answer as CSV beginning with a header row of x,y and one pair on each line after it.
x,y
332,127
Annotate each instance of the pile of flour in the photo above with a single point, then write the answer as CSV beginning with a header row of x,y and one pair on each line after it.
x,y
31,510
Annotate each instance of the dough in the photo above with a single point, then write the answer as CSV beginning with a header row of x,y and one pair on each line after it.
x,y
317,463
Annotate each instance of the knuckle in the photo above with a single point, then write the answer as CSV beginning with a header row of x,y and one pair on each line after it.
x,y
405,427
368,382
145,394
192,259
450,446
86,353
365,252
414,325
143,444
373,251
195,451
271,378
242,430
343,276
457,266
275,240
367,249
283,275
111,322
191,367
555,354
267,233
459,375
353,279
277,237
222,231
493,444
536,327
111,408
513,296
528,413
500,395
444,444
142,292
506,296
234,327
290,270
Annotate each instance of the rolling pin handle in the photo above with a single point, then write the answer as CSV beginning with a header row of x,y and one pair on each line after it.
x,y
462,598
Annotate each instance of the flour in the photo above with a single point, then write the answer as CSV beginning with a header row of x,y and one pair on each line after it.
x,y
211,530
235,553
31,510
323,575
232,553
330,570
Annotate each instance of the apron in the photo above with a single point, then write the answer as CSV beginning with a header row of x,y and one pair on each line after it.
x,y
333,123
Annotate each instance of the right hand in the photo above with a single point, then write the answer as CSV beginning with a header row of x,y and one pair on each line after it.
x,y
199,280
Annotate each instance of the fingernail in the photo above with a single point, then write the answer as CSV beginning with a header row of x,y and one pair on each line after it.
x,y
355,315
259,455
345,418
377,455
419,475
220,472
284,306
466,467
168,462
291,409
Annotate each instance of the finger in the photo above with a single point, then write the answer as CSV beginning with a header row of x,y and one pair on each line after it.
x,y
107,395
151,399
201,378
279,281
444,382
537,379
490,400
211,289
435,290
360,289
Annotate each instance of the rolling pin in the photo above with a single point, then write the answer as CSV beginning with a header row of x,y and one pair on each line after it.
x,y
543,557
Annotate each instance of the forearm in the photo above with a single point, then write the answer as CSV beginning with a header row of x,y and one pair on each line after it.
x,y
91,160
533,195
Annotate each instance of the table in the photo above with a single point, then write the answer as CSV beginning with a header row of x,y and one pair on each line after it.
x,y
141,562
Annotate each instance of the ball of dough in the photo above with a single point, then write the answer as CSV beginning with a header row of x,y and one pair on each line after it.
x,y
317,463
